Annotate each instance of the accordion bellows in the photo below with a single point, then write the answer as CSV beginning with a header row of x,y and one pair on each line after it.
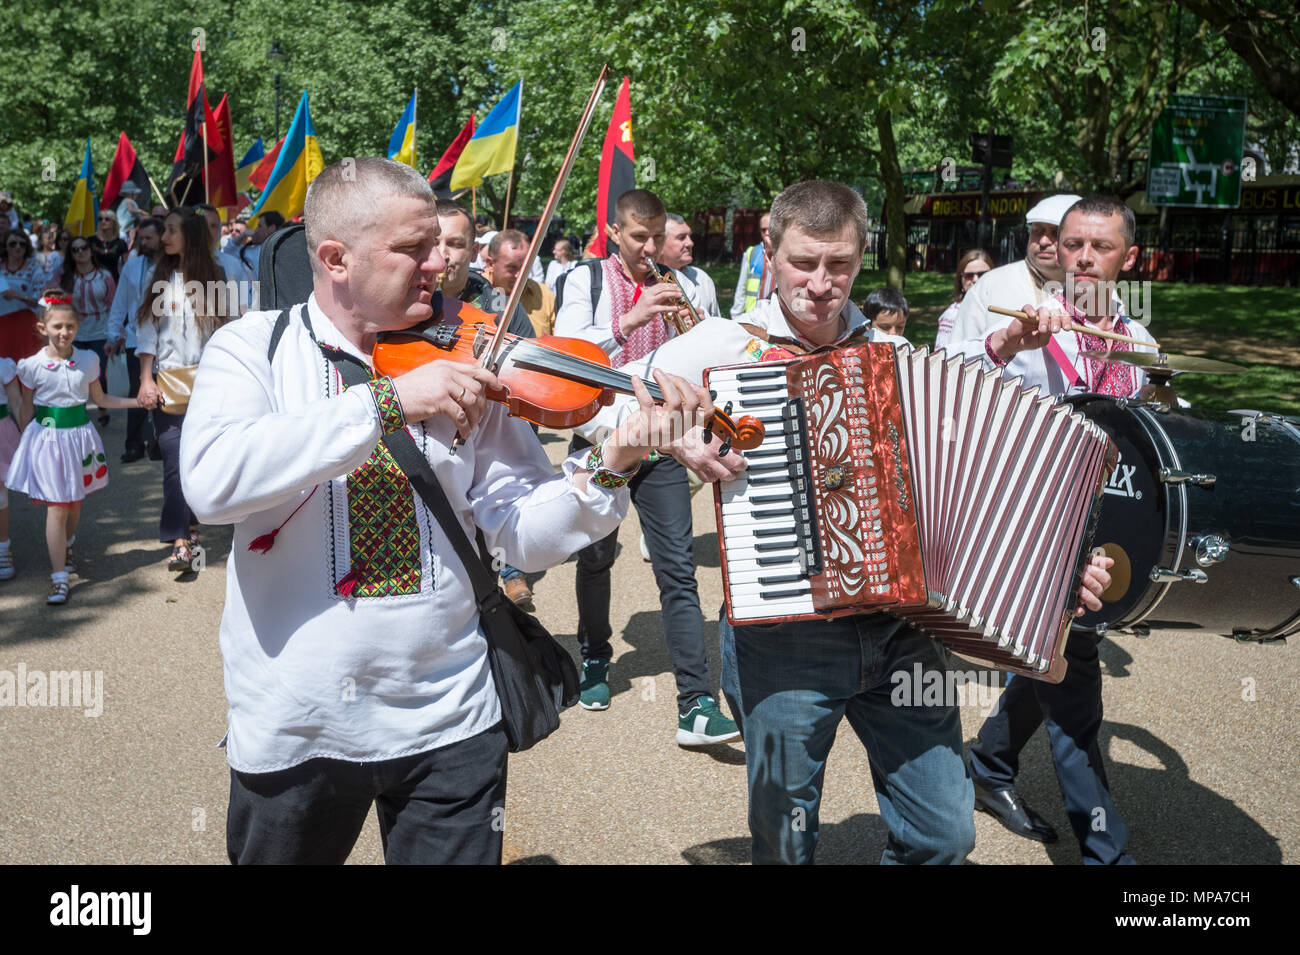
x,y
917,484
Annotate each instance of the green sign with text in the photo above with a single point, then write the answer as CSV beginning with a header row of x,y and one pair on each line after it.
x,y
1196,146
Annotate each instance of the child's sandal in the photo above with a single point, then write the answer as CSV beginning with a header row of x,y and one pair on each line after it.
x,y
58,592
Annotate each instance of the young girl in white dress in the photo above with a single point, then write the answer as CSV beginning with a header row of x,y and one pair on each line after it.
x,y
10,400
60,458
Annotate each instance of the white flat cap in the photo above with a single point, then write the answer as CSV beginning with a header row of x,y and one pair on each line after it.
x,y
1052,209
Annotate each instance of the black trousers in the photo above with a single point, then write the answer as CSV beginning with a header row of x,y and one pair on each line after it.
x,y
176,514
1072,711
437,808
138,432
661,494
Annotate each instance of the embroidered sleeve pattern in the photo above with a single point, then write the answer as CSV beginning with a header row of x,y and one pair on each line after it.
x,y
602,476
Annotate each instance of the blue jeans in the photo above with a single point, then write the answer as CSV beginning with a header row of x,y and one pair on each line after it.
x,y
789,685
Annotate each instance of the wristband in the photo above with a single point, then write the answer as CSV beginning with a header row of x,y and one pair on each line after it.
x,y
602,476
391,417
993,356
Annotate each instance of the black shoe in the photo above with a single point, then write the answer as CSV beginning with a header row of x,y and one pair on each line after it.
x,y
132,454
155,452
1008,808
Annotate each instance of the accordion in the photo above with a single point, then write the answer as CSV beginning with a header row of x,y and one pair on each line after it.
x,y
917,484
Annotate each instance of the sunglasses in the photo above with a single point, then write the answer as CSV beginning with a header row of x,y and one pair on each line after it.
x,y
80,248
973,275
16,244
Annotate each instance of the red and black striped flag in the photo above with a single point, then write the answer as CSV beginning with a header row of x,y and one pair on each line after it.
x,y
126,168
617,169
440,178
185,186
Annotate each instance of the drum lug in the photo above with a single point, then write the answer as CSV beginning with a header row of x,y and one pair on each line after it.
x,y
1210,549
1162,575
1175,476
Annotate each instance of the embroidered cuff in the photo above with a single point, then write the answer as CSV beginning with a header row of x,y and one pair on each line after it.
x,y
390,409
993,356
616,326
602,476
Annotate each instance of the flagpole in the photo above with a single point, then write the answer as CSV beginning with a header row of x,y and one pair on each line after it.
x,y
156,191
204,131
505,223
415,109
473,203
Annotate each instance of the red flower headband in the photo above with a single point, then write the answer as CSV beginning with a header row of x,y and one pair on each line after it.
x,y
48,300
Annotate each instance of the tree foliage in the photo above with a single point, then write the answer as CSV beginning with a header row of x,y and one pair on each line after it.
x,y
731,100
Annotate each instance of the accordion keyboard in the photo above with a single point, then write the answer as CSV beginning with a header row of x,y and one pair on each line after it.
x,y
767,513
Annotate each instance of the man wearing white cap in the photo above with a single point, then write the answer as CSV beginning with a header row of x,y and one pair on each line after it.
x,y
1017,283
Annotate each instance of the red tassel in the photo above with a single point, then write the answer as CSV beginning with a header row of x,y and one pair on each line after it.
x,y
264,543
349,581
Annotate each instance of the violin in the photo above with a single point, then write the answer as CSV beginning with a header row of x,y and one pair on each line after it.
x,y
551,381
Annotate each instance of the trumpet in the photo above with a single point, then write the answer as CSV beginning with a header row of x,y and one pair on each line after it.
x,y
682,323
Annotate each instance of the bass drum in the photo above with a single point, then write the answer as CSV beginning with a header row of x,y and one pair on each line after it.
x,y
1202,518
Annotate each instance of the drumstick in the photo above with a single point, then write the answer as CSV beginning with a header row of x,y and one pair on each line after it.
x,y
1071,327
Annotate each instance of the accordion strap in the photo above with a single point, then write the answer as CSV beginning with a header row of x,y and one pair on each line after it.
x,y
859,337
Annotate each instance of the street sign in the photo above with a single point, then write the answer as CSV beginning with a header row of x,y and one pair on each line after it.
x,y
1196,146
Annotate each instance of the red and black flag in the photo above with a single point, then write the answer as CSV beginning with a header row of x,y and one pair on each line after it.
x,y
617,169
440,178
185,186
261,173
221,172
126,168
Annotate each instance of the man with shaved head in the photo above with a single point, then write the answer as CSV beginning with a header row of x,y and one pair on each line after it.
x,y
355,664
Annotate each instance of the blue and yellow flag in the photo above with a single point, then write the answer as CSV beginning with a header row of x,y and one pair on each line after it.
x,y
492,149
247,165
84,209
299,162
401,145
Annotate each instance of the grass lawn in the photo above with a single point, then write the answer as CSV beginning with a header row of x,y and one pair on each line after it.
x,y
1255,326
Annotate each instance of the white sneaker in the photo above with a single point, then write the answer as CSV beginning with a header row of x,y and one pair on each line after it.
x,y
58,592
7,566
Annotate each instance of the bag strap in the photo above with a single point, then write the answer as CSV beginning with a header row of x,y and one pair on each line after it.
x,y
418,471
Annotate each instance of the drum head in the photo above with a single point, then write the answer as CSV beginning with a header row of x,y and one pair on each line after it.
x,y
1134,513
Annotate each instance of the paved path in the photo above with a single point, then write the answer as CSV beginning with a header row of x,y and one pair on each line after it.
x,y
1200,773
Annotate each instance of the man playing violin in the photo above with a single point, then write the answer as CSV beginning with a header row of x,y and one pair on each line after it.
x,y
355,666
625,317
791,684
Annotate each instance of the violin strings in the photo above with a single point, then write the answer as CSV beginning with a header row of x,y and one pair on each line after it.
x,y
580,368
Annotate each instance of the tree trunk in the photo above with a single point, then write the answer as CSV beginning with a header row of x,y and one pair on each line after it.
x,y
895,219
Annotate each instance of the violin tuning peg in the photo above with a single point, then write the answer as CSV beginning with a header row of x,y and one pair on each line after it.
x,y
708,432
725,448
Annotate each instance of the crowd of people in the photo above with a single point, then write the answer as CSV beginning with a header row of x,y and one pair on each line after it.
x,y
386,607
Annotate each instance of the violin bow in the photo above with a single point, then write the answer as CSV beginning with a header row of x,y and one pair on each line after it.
x,y
489,358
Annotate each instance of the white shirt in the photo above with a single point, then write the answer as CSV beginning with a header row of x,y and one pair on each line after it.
x,y
1007,286
59,382
132,285
575,319
946,320
699,289
174,338
719,341
1040,370
555,269
535,271
309,673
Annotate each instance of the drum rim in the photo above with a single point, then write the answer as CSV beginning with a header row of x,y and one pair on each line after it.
x,y
1175,496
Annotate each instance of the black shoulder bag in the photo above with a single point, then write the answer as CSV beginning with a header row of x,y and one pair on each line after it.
x,y
534,675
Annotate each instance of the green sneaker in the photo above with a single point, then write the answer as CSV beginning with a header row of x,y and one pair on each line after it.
x,y
594,685
704,724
